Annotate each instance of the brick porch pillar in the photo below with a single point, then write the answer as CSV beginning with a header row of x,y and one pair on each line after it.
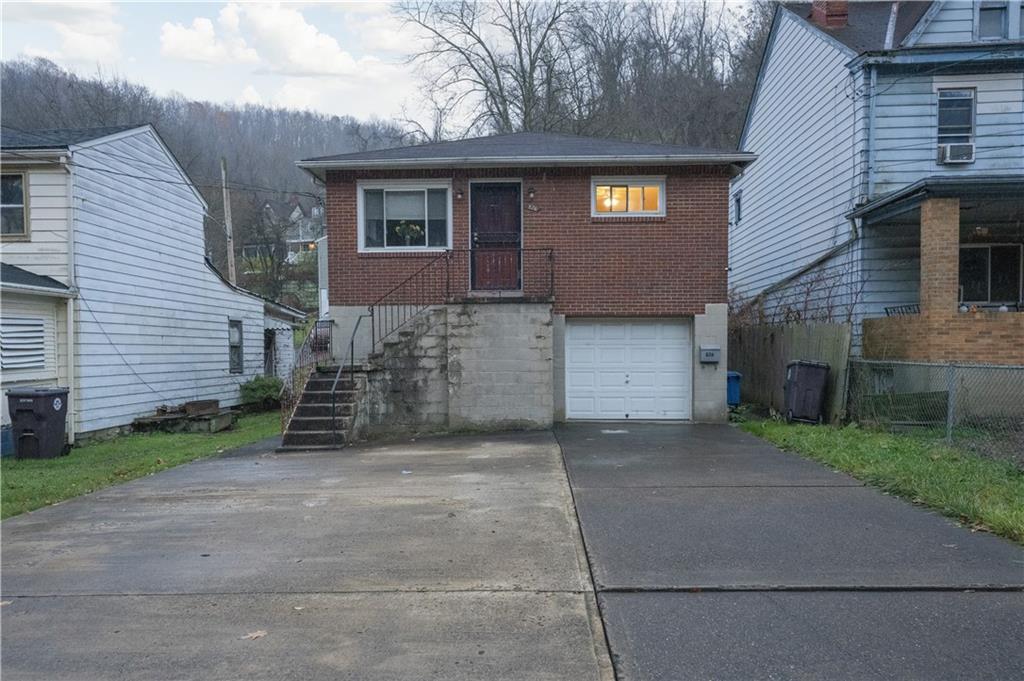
x,y
940,255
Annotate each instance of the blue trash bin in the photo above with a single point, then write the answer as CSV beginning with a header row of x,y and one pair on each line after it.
x,y
733,388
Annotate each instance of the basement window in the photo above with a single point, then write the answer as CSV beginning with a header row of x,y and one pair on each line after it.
x,y
22,343
627,196
404,216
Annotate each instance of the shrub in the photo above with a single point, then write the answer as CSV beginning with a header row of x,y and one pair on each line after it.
x,y
262,392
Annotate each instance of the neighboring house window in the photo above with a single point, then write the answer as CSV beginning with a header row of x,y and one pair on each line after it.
x,y
956,116
22,343
404,216
738,207
624,196
256,251
990,273
12,205
992,20
236,359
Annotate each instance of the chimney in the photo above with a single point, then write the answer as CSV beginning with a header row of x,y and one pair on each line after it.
x,y
830,13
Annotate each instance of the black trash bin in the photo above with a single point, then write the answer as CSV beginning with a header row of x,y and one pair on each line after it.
x,y
805,391
38,417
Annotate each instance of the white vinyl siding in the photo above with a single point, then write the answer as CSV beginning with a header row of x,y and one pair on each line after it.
x,y
45,251
628,369
906,124
152,318
954,23
796,194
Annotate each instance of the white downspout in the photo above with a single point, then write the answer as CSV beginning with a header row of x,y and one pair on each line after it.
x,y
72,338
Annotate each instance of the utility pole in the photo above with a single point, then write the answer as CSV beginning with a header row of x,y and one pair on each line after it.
x,y
227,220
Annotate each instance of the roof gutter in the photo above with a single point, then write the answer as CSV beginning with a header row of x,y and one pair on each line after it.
x,y
38,290
527,161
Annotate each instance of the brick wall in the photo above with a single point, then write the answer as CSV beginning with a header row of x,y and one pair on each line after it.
x,y
671,265
978,337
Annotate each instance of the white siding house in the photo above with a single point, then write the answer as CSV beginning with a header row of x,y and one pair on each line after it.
x,y
845,119
120,223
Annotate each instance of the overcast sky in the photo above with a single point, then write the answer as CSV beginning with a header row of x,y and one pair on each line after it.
x,y
337,58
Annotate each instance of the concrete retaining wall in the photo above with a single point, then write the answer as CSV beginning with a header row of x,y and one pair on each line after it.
x,y
462,367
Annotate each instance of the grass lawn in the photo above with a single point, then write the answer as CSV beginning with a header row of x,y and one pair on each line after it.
x,y
28,484
981,492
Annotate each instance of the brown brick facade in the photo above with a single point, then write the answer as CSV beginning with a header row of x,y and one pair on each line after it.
x,y
941,333
663,266
983,337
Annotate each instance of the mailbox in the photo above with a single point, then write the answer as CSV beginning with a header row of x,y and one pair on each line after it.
x,y
710,354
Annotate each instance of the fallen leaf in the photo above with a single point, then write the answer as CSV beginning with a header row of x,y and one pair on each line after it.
x,y
160,462
298,607
254,635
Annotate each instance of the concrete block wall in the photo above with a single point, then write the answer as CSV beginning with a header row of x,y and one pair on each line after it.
x,y
407,389
500,366
709,380
462,367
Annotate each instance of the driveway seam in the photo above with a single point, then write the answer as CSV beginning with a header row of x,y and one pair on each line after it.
x,y
605,657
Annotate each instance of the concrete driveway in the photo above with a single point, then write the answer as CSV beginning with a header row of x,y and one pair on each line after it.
x,y
716,556
449,558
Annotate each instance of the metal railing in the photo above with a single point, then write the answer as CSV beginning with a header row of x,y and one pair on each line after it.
x,y
489,272
314,351
979,407
902,310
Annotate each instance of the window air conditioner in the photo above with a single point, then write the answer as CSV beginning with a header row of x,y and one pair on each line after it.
x,y
962,152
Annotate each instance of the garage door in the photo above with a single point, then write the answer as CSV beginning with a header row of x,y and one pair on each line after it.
x,y
629,369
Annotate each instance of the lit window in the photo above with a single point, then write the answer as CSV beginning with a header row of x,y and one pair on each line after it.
x,y
956,116
628,196
404,217
12,205
992,21
236,360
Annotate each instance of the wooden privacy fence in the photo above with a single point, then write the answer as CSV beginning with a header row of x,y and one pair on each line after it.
x,y
761,353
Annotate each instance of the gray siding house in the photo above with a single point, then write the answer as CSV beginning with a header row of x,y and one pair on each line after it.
x,y
106,289
890,177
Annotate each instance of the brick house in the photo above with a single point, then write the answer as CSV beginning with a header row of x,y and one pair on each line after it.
x,y
518,279
889,185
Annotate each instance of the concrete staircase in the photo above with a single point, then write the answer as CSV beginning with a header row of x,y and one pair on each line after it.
x,y
312,425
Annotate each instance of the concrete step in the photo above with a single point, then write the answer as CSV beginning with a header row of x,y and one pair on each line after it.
x,y
307,438
306,448
324,397
305,424
317,383
321,410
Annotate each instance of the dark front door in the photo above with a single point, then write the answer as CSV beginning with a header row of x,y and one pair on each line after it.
x,y
495,226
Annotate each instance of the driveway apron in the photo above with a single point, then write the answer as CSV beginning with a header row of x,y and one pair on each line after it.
x,y
715,555
448,558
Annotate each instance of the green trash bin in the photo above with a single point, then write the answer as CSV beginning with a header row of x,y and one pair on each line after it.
x,y
38,418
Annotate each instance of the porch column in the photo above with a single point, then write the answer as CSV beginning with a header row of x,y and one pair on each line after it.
x,y
940,255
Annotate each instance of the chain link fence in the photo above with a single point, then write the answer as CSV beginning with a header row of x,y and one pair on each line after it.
x,y
975,406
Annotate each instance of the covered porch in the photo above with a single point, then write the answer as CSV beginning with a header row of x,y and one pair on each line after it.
x,y
944,272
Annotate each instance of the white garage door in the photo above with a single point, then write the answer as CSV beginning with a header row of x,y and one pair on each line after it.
x,y
628,369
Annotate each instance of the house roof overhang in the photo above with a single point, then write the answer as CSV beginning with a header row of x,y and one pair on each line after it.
x,y
736,160
975,54
14,279
910,197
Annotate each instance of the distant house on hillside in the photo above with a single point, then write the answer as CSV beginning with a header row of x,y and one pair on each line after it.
x,y
889,185
105,285
302,219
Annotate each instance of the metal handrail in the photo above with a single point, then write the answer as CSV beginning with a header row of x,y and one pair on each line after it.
x,y
432,284
337,377
315,347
